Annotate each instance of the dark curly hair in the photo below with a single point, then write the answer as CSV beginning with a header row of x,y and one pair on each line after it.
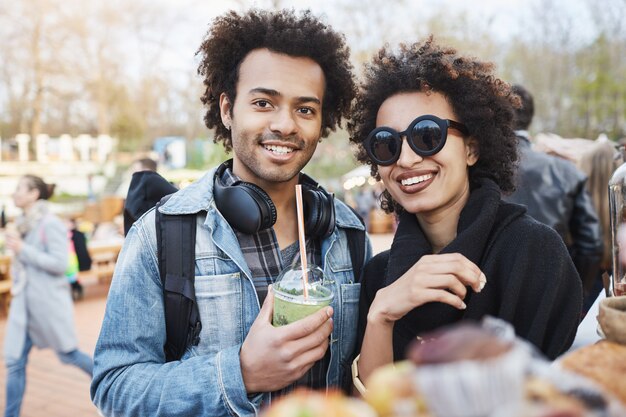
x,y
480,100
523,115
233,36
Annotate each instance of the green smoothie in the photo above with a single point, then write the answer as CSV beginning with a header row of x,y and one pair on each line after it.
x,y
292,307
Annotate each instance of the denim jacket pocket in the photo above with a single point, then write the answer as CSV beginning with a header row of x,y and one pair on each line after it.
x,y
220,301
350,315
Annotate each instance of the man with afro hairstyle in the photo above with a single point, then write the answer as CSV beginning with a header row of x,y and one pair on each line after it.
x,y
275,83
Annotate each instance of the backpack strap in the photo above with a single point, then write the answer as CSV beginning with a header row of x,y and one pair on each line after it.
x,y
176,240
356,245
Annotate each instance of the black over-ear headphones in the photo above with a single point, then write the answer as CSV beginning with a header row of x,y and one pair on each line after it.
x,y
248,208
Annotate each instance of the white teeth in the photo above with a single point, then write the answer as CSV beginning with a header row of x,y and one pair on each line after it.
x,y
281,150
415,180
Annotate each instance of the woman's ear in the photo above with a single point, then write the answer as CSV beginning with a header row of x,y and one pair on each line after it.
x,y
226,109
472,151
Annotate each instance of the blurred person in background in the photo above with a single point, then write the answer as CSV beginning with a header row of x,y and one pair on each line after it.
x,y
79,258
144,164
146,188
365,203
41,312
554,192
72,268
3,217
80,245
436,127
599,163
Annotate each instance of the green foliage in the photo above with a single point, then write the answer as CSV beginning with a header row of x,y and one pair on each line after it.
x,y
67,198
129,130
333,157
599,90
204,153
578,92
91,82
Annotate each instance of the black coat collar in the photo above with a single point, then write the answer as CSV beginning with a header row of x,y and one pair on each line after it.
x,y
474,228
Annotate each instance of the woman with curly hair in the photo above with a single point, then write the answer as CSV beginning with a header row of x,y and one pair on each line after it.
x,y
435,126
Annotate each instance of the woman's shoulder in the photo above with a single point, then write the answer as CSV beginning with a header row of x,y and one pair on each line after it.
x,y
528,226
53,229
513,218
525,232
52,221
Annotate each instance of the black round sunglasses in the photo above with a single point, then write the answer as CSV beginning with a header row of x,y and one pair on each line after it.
x,y
426,136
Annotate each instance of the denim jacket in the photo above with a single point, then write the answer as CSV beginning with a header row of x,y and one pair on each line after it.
x,y
131,377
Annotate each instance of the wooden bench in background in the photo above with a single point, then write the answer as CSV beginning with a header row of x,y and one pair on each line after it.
x,y
5,297
103,258
5,284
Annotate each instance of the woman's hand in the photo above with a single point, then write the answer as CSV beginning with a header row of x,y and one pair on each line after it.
x,y
14,242
442,278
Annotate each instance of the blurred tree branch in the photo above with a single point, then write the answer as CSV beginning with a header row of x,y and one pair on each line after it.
x,y
117,66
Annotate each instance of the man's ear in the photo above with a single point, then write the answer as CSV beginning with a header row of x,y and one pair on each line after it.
x,y
226,109
472,150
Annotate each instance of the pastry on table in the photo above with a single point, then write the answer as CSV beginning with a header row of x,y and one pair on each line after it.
x,y
303,402
604,363
467,370
392,392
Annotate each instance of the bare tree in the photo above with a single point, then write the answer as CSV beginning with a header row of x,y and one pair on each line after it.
x,y
30,66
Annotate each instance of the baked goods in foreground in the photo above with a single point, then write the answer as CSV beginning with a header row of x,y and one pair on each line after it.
x,y
467,341
604,363
392,392
480,371
467,370
303,402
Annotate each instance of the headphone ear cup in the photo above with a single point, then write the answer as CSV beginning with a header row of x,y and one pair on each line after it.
x,y
263,201
245,206
319,212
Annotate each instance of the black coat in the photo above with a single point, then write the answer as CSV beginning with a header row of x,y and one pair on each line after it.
x,y
80,247
531,280
145,190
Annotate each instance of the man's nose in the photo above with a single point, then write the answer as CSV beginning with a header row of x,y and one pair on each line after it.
x,y
284,123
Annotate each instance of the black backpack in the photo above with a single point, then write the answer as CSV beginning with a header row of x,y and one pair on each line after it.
x,y
176,240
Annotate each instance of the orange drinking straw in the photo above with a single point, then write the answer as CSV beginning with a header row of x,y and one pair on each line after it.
x,y
300,213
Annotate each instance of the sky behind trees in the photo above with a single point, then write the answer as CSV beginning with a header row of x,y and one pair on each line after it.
x,y
127,67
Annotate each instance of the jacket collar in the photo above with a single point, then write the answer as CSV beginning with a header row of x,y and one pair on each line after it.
x,y
198,197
